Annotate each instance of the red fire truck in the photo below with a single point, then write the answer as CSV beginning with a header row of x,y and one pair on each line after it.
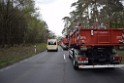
x,y
65,43
95,47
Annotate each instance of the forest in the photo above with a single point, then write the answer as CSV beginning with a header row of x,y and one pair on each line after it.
x,y
20,23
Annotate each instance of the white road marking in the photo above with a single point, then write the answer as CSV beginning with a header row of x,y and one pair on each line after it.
x,y
64,58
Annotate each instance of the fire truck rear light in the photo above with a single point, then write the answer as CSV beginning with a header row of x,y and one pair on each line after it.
x,y
83,59
118,58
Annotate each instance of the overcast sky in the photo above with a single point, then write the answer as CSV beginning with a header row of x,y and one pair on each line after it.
x,y
53,11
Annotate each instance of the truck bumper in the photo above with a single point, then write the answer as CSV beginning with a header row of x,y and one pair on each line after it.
x,y
101,66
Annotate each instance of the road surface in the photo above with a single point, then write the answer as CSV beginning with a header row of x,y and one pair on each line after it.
x,y
56,67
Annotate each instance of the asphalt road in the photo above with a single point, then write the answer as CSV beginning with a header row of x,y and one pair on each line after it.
x,y
56,67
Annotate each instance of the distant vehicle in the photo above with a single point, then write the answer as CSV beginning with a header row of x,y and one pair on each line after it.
x,y
52,45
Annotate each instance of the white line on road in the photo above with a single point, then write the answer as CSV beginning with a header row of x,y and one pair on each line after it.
x,y
64,57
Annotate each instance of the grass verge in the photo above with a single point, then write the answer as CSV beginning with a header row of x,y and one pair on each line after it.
x,y
12,55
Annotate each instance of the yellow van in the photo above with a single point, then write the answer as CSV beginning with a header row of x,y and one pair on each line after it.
x,y
52,45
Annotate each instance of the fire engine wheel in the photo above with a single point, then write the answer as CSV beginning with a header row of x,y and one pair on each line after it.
x,y
75,65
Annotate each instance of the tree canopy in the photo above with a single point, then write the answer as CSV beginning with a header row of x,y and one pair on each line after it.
x,y
88,12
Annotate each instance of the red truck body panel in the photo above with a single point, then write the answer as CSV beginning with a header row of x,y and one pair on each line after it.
x,y
97,37
65,41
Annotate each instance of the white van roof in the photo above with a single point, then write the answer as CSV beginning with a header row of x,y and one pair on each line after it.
x,y
52,39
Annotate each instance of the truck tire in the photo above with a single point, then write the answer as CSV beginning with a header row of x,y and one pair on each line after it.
x,y
75,65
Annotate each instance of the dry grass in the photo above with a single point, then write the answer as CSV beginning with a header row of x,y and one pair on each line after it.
x,y
11,55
